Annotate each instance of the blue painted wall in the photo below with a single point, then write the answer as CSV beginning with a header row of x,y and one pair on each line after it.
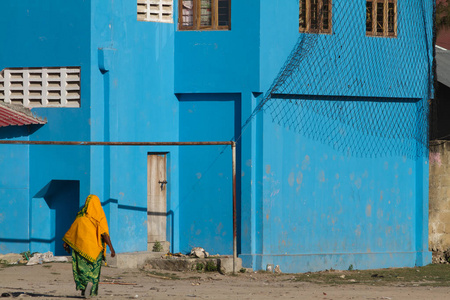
x,y
303,203
206,179
320,205
134,101
58,36
14,190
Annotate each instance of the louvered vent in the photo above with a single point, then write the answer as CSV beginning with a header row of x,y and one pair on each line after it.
x,y
155,11
41,87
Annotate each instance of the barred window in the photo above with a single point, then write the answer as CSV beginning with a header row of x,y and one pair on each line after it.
x,y
204,14
315,16
381,18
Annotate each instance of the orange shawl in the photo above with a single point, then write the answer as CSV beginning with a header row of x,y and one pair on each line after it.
x,y
85,234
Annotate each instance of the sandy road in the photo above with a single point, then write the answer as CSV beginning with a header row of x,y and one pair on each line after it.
x,y
54,281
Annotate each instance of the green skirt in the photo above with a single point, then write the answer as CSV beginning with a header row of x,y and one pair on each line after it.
x,y
85,271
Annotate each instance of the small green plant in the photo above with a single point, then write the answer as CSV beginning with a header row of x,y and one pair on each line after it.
x,y
157,247
210,267
26,255
242,270
199,267
350,268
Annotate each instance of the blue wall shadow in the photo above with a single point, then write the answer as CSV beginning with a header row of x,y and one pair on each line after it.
x,y
62,198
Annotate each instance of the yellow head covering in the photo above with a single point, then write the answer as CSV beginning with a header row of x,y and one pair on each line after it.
x,y
85,234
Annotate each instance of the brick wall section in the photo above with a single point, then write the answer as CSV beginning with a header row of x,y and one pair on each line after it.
x,y
439,196
443,38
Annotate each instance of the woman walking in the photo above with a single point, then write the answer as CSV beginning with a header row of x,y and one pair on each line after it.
x,y
87,237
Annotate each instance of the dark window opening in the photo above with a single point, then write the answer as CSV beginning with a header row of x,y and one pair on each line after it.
x,y
381,18
315,16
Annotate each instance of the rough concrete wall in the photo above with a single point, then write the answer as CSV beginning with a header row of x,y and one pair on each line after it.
x,y
439,196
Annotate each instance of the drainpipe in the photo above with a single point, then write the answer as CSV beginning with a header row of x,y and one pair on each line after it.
x,y
233,150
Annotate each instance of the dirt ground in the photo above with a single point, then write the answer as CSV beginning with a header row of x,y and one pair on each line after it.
x,y
54,281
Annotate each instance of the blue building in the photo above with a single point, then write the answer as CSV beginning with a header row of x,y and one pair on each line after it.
x,y
326,99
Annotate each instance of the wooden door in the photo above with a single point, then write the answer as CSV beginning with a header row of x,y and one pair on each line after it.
x,y
156,198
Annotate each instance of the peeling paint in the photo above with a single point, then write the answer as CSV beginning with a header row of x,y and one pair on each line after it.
x,y
267,169
388,230
358,231
368,210
380,242
299,178
291,179
321,176
306,162
358,183
248,163
219,228
199,175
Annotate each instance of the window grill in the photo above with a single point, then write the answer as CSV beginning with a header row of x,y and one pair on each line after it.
x,y
41,87
315,16
381,18
204,15
155,11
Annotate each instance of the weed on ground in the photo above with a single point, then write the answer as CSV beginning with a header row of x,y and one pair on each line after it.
x,y
431,275
171,276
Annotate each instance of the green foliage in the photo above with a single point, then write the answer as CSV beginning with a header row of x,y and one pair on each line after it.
x,y
242,270
211,267
442,15
157,247
199,267
350,268
26,255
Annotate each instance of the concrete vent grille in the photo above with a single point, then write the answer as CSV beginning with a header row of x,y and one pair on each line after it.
x,y
155,11
41,87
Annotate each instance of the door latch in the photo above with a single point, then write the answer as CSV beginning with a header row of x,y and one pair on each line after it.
x,y
162,183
